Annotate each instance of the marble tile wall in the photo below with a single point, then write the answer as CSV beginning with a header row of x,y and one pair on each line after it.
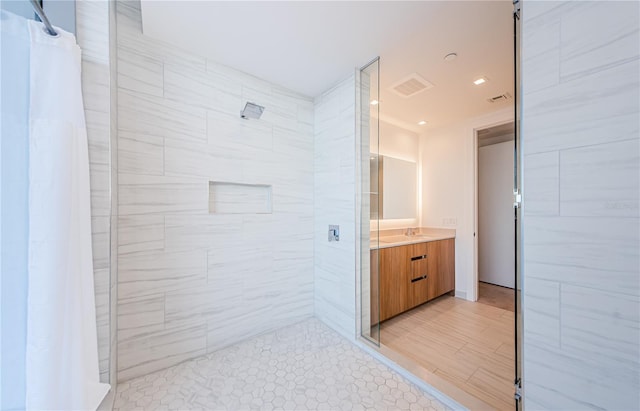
x,y
334,203
191,282
581,160
93,36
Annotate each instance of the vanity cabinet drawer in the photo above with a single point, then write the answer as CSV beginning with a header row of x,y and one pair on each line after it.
x,y
419,249
413,274
418,288
419,280
419,266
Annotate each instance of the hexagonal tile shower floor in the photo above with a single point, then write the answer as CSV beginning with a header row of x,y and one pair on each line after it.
x,y
306,366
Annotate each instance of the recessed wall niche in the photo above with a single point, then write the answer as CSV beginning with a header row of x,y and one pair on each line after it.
x,y
237,198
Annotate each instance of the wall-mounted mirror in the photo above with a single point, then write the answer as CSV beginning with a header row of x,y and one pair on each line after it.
x,y
394,188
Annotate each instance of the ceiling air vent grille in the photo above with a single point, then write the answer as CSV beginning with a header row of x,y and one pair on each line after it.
x,y
411,85
499,98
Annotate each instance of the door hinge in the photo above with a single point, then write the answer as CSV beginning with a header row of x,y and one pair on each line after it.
x,y
517,395
517,199
516,8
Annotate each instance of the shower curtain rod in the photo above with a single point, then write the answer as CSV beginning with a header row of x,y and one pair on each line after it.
x,y
43,18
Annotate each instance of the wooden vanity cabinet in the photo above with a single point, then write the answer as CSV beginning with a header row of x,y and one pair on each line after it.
x,y
394,275
374,286
445,278
413,274
440,265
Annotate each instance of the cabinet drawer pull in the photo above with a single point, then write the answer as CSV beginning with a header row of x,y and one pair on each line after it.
x,y
420,257
418,279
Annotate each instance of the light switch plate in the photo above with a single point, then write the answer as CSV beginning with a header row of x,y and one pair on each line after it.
x,y
334,233
449,222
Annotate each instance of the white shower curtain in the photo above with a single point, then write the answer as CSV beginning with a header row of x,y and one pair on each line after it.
x,y
61,348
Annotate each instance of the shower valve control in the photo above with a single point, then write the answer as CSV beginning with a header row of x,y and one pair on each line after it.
x,y
334,233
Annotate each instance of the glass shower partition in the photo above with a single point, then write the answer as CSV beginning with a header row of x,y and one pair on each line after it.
x,y
370,201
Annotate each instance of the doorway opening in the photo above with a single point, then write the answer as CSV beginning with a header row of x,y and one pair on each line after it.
x,y
495,249
427,299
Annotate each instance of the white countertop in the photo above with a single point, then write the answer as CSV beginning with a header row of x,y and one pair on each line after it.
x,y
393,239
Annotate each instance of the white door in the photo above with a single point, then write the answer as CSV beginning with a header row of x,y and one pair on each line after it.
x,y
496,256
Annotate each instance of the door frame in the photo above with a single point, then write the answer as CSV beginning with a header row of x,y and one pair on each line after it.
x,y
472,279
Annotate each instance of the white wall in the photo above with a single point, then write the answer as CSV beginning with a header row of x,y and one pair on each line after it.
x,y
191,282
581,158
448,184
334,203
400,143
496,254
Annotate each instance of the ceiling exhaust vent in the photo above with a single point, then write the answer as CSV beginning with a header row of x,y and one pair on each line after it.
x,y
499,98
411,85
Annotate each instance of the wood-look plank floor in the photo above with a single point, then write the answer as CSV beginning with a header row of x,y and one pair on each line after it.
x,y
469,344
497,296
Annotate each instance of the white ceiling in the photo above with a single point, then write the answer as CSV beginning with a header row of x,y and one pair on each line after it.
x,y
309,46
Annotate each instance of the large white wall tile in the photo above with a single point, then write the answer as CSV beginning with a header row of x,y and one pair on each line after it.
x,y
145,114
95,89
160,349
113,140
140,315
542,56
202,88
606,331
542,299
143,194
151,272
199,231
192,281
194,304
101,249
334,203
237,138
601,253
140,153
131,39
601,180
92,32
613,39
280,109
563,380
605,102
139,73
183,158
103,318
581,253
542,182
140,233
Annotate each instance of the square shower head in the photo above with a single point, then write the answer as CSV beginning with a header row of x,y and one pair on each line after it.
x,y
251,110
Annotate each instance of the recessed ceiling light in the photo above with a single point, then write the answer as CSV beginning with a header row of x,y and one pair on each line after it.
x,y
479,81
422,123
374,102
450,57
